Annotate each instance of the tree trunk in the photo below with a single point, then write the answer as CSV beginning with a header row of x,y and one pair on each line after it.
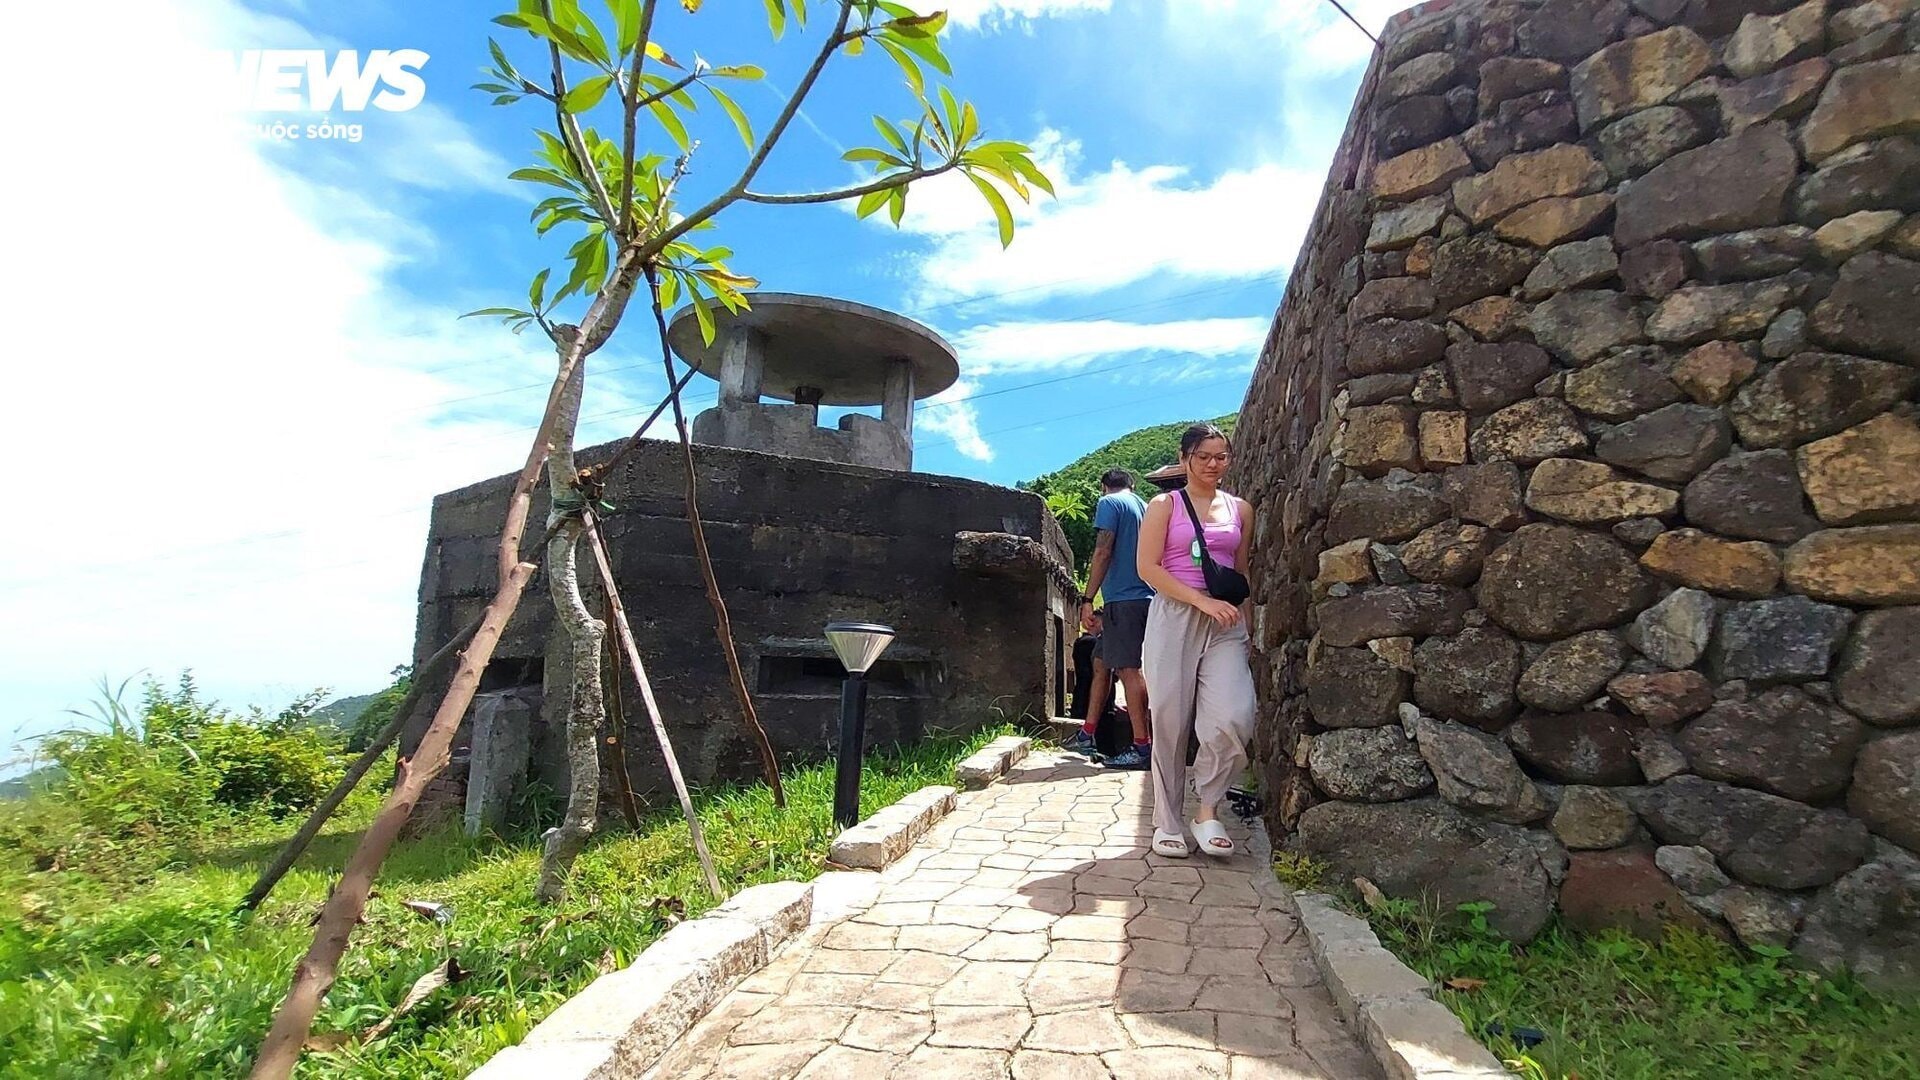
x,y
290,853
586,702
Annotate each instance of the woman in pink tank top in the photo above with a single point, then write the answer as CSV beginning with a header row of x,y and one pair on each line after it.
x,y
1195,654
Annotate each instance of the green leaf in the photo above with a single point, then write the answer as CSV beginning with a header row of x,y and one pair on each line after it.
x,y
908,66
590,36
777,17
500,60
587,94
892,135
1024,165
856,46
669,291
537,293
897,203
671,121
741,71
739,118
701,311
532,24
1000,212
871,201
874,154
926,48
626,24
542,176
507,311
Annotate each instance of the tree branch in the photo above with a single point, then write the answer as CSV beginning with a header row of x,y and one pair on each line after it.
x,y
792,108
570,130
632,110
881,184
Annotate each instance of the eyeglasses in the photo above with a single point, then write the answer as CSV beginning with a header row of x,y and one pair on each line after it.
x,y
1207,459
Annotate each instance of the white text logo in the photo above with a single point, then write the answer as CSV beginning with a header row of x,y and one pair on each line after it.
x,y
312,80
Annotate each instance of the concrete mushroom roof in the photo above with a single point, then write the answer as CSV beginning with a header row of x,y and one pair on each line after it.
x,y
837,346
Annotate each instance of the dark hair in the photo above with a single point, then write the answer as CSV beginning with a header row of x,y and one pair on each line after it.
x,y
1199,433
1116,479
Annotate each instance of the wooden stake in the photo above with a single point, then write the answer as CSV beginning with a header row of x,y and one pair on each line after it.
x,y
653,707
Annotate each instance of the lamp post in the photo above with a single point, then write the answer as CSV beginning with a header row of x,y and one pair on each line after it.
x,y
858,645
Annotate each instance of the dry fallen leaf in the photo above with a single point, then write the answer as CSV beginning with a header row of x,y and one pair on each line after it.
x,y
423,988
329,1042
1461,982
1370,893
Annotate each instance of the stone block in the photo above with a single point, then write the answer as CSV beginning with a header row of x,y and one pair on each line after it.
x,y
992,761
1637,73
1866,474
781,909
1872,565
882,839
1443,438
1864,101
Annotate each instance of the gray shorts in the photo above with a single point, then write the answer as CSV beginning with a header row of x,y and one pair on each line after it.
x,y
1123,626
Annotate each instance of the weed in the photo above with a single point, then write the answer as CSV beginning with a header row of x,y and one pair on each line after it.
x,y
1303,873
1613,1007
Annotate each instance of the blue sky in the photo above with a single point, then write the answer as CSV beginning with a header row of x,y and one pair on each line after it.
x,y
246,351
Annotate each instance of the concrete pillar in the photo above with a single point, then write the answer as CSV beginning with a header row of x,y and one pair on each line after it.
x,y
742,362
896,405
502,745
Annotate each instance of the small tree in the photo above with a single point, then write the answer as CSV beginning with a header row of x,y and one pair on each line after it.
x,y
623,206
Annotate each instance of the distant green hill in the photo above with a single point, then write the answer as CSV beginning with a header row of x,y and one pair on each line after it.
x,y
343,712
1139,453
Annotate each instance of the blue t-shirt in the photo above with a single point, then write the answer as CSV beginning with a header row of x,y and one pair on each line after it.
x,y
1120,514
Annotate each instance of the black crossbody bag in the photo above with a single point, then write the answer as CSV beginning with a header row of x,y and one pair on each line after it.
x,y
1223,582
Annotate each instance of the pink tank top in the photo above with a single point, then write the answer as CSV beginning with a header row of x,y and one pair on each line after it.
x,y
1223,541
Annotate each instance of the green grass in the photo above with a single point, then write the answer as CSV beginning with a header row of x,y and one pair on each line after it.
x,y
1689,1008
106,978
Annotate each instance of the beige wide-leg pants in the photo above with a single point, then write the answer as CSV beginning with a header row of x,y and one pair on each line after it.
x,y
1196,671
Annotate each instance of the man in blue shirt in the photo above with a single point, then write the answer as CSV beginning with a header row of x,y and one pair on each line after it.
x,y
1115,576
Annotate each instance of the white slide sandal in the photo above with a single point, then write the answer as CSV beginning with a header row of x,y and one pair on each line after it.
x,y
1213,838
1169,845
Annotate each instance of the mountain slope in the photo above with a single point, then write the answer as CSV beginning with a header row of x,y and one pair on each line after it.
x,y
1138,452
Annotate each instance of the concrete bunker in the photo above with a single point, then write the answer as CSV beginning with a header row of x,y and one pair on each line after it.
x,y
805,525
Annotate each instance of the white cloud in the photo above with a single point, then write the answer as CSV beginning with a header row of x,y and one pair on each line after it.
x,y
1110,228
1317,38
949,413
996,14
239,411
1014,347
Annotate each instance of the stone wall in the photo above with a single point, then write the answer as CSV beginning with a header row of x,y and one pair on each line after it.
x,y
1588,475
971,576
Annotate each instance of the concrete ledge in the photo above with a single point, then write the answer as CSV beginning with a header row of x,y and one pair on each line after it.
x,y
992,761
624,1020
882,839
1388,1004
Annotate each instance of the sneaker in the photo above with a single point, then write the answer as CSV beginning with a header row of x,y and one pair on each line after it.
x,y
1083,743
1133,757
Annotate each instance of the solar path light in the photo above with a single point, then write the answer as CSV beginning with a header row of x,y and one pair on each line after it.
x,y
858,645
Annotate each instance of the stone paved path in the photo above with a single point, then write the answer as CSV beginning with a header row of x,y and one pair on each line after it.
x,y
1032,935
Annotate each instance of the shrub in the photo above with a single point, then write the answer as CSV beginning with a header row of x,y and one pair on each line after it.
x,y
137,792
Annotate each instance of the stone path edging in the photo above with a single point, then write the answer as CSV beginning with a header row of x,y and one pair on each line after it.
x,y
624,1020
992,761
1412,1036
882,839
